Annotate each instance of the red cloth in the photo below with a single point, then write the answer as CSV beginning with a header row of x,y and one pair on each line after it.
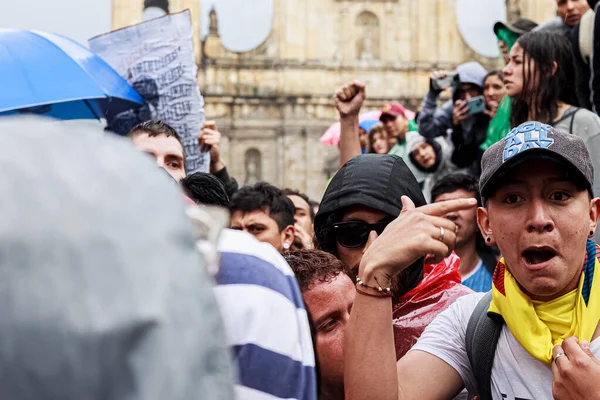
x,y
438,289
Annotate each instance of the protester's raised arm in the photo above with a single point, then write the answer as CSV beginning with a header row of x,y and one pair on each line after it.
x,y
210,140
348,101
370,370
430,121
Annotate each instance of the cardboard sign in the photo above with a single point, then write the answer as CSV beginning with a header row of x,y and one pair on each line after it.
x,y
157,59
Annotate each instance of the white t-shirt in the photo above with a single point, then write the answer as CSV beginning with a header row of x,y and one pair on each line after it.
x,y
515,373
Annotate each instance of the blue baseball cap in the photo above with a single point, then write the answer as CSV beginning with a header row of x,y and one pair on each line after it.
x,y
368,124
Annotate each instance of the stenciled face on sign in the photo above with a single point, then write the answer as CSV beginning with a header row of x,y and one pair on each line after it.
x,y
533,135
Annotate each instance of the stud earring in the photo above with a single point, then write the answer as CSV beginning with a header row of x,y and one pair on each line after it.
x,y
591,233
488,239
286,246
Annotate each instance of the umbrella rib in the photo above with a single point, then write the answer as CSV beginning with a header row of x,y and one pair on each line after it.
x,y
91,109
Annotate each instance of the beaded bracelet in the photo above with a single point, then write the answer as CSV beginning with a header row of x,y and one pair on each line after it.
x,y
381,296
384,292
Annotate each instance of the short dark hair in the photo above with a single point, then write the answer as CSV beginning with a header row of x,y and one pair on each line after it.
x,y
312,266
155,128
456,181
292,192
266,198
205,189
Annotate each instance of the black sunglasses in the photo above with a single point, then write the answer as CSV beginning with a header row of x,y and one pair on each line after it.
x,y
354,234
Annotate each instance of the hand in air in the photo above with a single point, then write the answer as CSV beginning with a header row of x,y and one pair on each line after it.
x,y
350,98
417,232
435,75
210,140
460,112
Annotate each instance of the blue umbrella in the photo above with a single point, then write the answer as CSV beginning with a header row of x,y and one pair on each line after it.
x,y
52,75
368,124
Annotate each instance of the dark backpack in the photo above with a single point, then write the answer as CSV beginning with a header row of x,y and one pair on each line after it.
x,y
481,339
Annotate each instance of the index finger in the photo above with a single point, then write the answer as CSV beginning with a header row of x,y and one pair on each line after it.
x,y
444,207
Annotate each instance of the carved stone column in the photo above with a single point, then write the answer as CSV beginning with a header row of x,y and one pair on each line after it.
x,y
126,12
513,10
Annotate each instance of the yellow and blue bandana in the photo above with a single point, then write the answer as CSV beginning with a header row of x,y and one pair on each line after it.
x,y
540,327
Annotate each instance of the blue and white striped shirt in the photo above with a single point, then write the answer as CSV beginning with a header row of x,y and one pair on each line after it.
x,y
265,319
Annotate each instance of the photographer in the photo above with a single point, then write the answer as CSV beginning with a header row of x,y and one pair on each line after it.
x,y
467,152
462,119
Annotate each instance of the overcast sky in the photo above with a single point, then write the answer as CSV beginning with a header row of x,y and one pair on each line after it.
x,y
243,24
77,19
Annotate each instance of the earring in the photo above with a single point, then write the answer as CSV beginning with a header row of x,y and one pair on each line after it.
x,y
488,239
592,233
286,246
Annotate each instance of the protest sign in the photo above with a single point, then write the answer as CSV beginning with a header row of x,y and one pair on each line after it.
x,y
157,59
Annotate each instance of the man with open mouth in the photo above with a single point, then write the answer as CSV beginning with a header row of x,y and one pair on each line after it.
x,y
544,307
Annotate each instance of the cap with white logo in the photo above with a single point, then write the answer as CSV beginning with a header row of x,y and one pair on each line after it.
x,y
539,141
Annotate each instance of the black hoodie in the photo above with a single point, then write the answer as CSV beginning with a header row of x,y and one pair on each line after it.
x,y
375,181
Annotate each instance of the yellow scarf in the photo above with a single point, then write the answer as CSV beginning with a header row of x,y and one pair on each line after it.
x,y
539,327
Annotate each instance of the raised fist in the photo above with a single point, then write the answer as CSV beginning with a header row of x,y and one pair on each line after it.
x,y
350,98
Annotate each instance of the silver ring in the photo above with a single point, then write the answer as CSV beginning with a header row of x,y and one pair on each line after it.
x,y
559,355
441,234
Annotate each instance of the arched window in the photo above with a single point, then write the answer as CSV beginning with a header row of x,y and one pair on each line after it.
x,y
367,44
155,9
253,166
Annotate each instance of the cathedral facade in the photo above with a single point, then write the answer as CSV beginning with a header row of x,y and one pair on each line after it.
x,y
273,103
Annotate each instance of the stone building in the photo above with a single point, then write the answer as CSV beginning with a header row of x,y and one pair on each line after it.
x,y
274,102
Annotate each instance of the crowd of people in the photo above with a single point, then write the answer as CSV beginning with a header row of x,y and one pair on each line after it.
x,y
452,255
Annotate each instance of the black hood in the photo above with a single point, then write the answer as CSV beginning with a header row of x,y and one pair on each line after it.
x,y
375,181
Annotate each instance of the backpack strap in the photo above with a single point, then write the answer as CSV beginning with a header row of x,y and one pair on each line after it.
x,y
482,336
573,120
